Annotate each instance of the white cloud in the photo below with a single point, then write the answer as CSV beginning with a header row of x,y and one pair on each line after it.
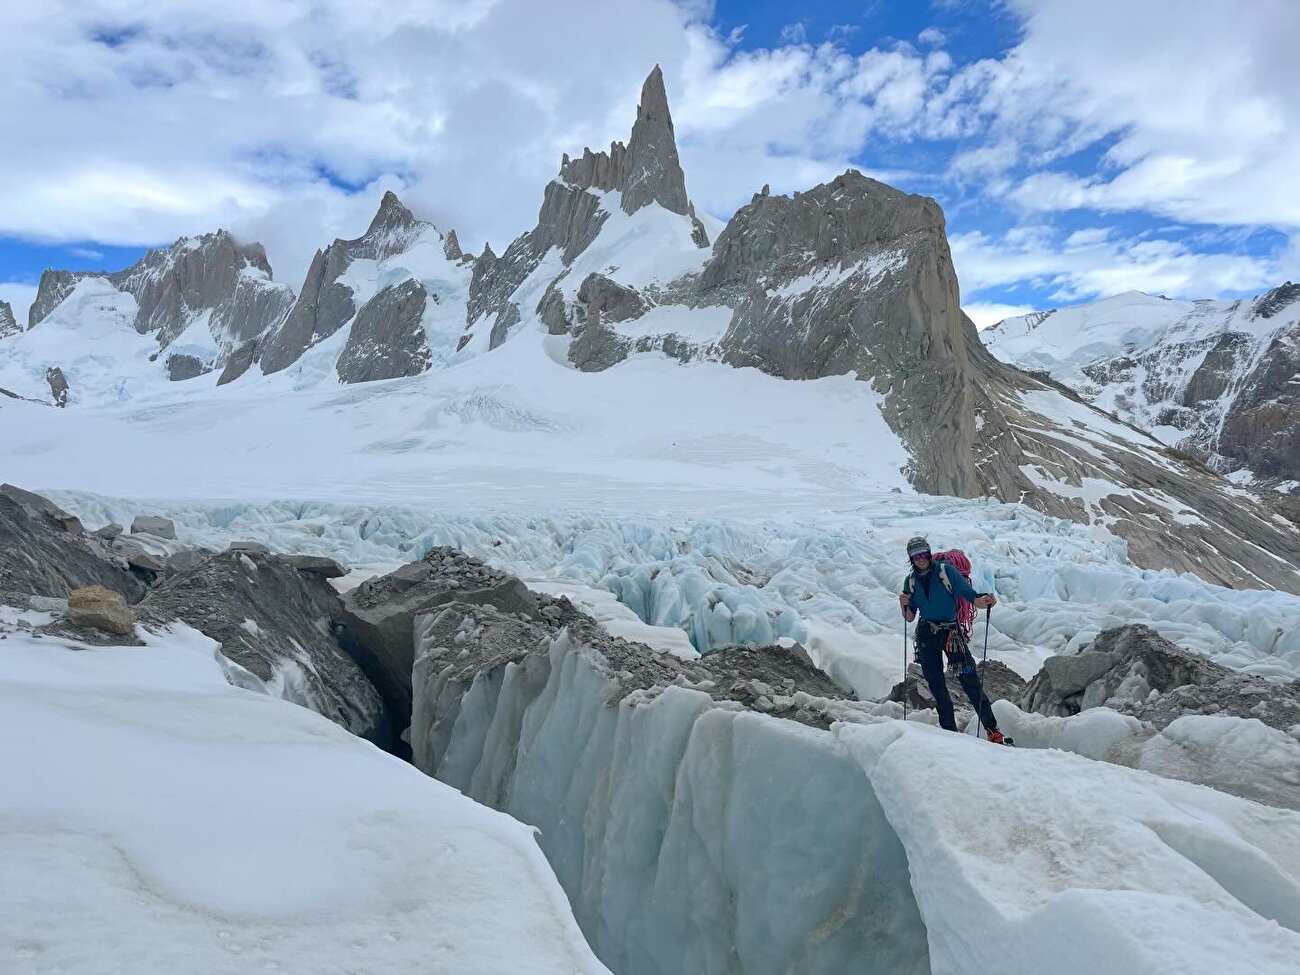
x,y
1097,263
986,313
932,36
1196,102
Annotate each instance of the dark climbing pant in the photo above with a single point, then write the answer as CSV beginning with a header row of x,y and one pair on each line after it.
x,y
930,642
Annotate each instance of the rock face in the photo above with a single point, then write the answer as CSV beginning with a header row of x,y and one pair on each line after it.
x,y
43,552
101,609
387,339
325,304
646,171
276,623
1211,377
53,288
58,385
8,325
1132,669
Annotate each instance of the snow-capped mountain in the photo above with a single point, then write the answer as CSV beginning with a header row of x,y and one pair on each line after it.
x,y
621,277
1214,378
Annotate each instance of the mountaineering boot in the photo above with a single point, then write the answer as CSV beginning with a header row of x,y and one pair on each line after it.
x,y
998,738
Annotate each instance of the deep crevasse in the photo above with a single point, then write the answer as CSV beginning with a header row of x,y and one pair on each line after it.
x,y
690,836
694,836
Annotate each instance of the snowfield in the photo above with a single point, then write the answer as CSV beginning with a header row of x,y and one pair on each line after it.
x,y
155,819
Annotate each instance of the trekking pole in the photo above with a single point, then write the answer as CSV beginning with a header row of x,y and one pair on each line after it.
x,y
904,666
988,612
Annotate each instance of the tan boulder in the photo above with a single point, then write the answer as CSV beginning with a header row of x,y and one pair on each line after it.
x,y
102,609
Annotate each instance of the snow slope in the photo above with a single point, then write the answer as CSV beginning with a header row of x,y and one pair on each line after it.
x,y
156,820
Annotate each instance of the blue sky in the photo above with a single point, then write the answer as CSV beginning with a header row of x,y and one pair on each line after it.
x,y
1079,147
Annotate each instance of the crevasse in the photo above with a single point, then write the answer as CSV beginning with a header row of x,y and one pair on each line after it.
x,y
690,836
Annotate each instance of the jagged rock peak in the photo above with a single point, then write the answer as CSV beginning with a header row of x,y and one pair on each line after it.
x,y
8,325
651,171
1277,299
451,247
646,170
391,215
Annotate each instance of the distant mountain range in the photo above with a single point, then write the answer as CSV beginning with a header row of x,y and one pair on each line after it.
x,y
1218,379
849,277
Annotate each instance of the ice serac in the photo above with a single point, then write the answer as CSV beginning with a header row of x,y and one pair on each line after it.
x,y
325,304
387,339
8,326
679,825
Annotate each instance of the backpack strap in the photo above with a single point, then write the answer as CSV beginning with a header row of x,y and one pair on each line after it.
x,y
943,574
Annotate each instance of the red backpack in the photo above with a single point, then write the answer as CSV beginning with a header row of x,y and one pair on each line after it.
x,y
965,608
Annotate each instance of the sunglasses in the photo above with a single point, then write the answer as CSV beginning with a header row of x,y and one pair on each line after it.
x,y
921,557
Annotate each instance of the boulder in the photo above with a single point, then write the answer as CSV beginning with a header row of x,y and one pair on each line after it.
x,y
1134,670
109,531
187,558
276,626
318,565
137,558
101,609
58,384
259,547
153,525
379,615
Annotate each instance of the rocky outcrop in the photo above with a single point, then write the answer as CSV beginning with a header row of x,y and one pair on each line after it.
x,y
101,609
276,625
8,325
44,552
58,383
1134,670
1261,430
378,616
325,304
182,367
387,339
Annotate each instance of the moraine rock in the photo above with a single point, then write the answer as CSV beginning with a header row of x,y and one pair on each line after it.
x,y
318,565
387,339
276,627
1134,670
39,556
153,525
248,546
8,324
102,609
325,303
109,532
41,507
